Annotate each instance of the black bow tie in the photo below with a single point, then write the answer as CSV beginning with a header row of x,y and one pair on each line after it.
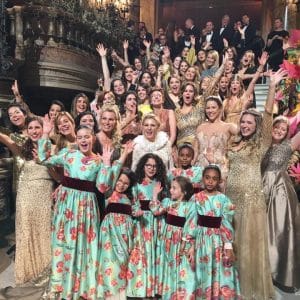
x,y
209,33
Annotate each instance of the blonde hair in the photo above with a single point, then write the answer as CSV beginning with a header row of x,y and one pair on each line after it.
x,y
116,134
255,140
282,119
215,56
151,116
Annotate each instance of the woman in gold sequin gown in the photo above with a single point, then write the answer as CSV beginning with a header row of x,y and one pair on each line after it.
x,y
244,188
190,115
33,210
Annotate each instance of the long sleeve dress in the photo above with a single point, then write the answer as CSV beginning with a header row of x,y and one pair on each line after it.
x,y
194,174
141,266
244,188
283,216
176,279
75,224
115,241
214,279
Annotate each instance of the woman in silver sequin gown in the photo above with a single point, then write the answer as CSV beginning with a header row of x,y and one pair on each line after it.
x,y
283,208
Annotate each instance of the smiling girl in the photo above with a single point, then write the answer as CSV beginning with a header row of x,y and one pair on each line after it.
x,y
76,217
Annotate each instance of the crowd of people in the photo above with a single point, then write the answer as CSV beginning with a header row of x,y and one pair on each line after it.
x,y
169,184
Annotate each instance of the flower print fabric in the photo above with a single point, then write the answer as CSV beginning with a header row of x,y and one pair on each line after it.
x,y
214,278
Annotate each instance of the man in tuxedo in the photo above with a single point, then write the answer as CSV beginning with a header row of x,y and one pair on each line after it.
x,y
225,32
250,31
210,38
192,30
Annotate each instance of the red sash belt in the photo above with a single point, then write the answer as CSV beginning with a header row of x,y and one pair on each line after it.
x,y
78,184
175,220
119,208
145,204
208,221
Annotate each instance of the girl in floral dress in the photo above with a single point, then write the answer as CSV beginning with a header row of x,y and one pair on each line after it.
x,y
76,219
185,168
177,280
115,238
142,261
216,276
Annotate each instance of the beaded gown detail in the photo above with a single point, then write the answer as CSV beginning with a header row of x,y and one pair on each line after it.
x,y
244,188
283,216
33,222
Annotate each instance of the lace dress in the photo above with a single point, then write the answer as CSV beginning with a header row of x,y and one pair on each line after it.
x,y
214,147
244,188
283,216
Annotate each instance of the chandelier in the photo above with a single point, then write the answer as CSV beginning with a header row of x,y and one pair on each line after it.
x,y
121,7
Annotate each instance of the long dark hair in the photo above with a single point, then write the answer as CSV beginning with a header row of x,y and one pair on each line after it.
x,y
12,127
161,172
82,114
132,178
28,146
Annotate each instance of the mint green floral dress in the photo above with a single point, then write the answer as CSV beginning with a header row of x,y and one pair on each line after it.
x,y
176,278
115,242
74,226
194,174
215,279
142,280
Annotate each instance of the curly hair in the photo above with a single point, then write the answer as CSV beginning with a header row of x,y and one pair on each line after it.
x,y
255,140
116,134
29,144
74,113
60,140
161,173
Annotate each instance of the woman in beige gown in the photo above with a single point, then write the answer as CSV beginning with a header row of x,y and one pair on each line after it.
x,y
33,210
244,188
282,207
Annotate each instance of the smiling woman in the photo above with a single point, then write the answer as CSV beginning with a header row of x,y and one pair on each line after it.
x,y
244,187
33,208
152,141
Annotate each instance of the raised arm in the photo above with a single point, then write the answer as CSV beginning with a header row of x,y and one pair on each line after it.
x,y
103,52
275,79
125,47
10,144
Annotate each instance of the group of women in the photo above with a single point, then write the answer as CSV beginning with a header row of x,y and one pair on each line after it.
x,y
162,189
